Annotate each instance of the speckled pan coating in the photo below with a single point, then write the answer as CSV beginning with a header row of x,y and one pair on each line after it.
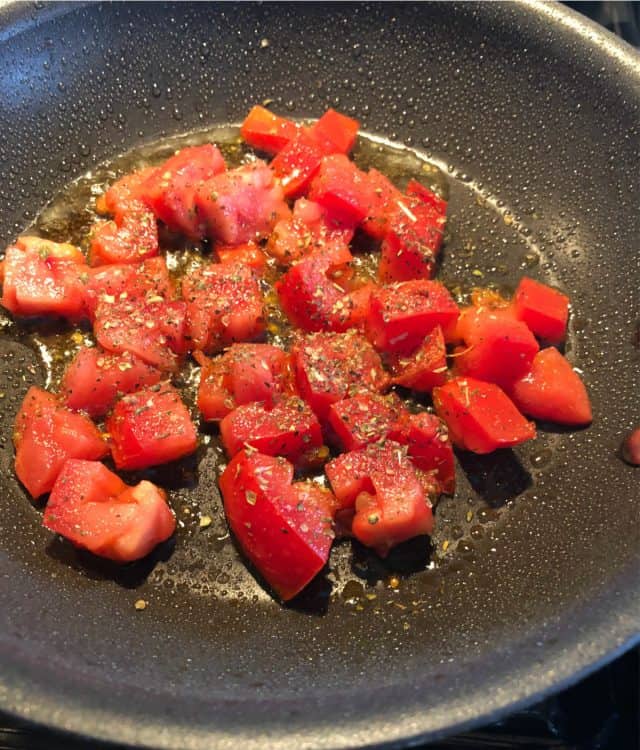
x,y
536,114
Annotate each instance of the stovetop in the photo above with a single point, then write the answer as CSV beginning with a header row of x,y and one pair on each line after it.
x,y
602,712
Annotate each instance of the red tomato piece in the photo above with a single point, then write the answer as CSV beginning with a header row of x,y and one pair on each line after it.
x,y
288,429
105,281
480,416
552,390
224,304
352,309
37,285
427,196
412,241
332,366
297,163
130,240
150,280
249,254
428,445
543,309
335,132
93,508
384,203
266,131
150,427
94,379
401,315
170,191
284,529
322,224
364,418
241,205
426,368
46,434
342,189
307,294
125,195
500,348
49,249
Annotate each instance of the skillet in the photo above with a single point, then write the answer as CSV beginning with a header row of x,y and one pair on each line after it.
x,y
533,113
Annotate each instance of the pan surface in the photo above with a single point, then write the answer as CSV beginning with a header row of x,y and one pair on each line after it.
x,y
534,115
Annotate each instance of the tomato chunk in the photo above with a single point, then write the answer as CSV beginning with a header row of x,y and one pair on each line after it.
x,y
249,254
170,191
241,205
390,501
426,368
267,131
46,434
131,239
94,379
480,416
224,304
401,315
125,195
552,390
499,348
364,418
336,132
49,249
283,528
342,189
288,429
384,203
352,309
297,163
150,427
543,309
427,196
95,510
332,366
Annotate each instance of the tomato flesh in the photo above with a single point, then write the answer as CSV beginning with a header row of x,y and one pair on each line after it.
x,y
342,189
297,163
130,240
543,309
335,131
384,202
362,419
426,367
266,131
249,254
125,195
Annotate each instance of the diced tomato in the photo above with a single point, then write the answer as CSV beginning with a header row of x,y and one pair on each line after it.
x,y
321,223
335,132
94,379
425,368
342,189
249,254
384,203
332,366
307,294
499,348
412,241
364,418
131,240
427,196
543,309
125,195
245,373
151,426
297,163
49,249
170,191
110,281
151,280
480,416
288,429
153,330
352,309
389,497
428,445
47,434
401,315
284,529
241,205
552,390
266,131
96,511
224,304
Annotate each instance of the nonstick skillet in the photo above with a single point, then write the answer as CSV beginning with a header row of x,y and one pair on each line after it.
x,y
533,576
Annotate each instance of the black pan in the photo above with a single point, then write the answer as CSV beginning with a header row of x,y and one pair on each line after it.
x,y
534,114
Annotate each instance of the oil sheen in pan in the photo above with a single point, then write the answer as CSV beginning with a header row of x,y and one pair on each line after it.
x,y
484,246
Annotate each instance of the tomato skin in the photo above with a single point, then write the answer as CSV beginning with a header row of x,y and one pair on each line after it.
x,y
267,131
401,315
331,366
288,429
91,507
131,239
93,380
249,254
499,350
283,528
149,427
342,189
224,304
480,416
552,390
426,367
427,196
335,131
46,434
364,418
384,202
125,195
543,309
296,165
